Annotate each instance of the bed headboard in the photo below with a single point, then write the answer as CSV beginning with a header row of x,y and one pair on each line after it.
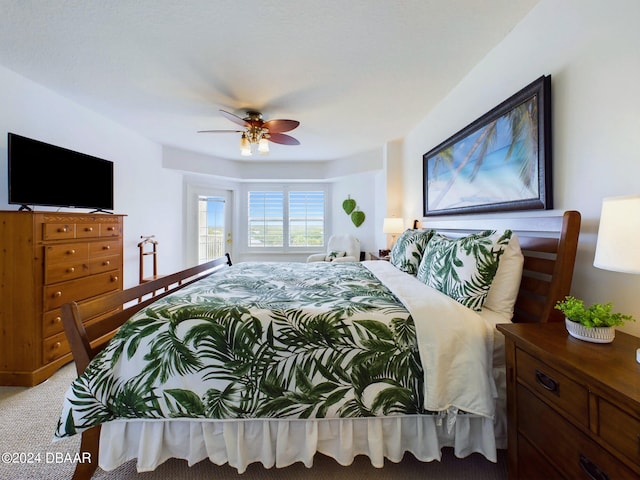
x,y
549,244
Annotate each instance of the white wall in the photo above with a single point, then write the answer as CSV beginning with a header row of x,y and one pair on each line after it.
x,y
591,50
149,195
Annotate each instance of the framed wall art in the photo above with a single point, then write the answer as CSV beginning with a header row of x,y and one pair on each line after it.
x,y
500,162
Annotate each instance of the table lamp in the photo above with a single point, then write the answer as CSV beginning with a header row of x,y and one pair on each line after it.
x,y
393,226
618,244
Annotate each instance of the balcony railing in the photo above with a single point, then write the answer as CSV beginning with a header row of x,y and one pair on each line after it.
x,y
210,247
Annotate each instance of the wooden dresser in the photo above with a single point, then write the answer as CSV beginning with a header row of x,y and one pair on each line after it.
x,y
573,406
46,260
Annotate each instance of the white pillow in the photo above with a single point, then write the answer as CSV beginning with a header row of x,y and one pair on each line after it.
x,y
503,292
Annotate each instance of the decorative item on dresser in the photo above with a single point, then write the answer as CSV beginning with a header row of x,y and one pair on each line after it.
x,y
48,259
573,407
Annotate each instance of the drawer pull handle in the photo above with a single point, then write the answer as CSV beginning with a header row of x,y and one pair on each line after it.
x,y
106,263
56,346
57,294
106,247
71,252
71,270
591,469
57,320
88,229
547,382
114,278
62,230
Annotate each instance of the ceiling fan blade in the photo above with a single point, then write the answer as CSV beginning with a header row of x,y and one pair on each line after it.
x,y
220,131
282,139
279,126
234,118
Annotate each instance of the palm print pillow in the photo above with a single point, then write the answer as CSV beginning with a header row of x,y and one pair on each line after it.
x,y
333,255
407,252
463,268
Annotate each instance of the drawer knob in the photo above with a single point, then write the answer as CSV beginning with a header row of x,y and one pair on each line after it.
x,y
71,270
55,346
57,320
547,382
106,263
110,229
57,294
591,469
88,229
62,230
106,247
114,278
71,252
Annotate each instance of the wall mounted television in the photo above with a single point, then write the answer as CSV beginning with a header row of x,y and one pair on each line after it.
x,y
48,175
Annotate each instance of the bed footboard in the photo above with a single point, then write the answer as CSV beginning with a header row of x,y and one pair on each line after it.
x,y
88,339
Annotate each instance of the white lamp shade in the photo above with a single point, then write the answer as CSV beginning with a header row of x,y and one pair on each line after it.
x,y
393,225
618,245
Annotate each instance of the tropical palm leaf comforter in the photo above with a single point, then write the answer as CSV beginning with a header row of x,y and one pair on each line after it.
x,y
289,340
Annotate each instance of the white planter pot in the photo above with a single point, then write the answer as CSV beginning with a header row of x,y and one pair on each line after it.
x,y
594,334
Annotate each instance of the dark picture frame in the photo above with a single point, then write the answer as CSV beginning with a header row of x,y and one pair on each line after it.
x,y
500,162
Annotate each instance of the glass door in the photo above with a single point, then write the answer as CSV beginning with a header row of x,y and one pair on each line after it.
x,y
214,236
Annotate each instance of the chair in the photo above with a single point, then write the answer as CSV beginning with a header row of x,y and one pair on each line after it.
x,y
348,244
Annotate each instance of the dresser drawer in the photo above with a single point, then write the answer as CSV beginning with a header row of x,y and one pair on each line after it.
x,y
104,264
55,347
68,252
554,387
104,248
60,272
52,323
620,430
110,230
87,230
566,447
58,231
61,293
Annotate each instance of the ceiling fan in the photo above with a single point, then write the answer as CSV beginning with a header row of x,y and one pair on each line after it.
x,y
258,132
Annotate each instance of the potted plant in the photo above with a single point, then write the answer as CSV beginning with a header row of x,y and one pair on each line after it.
x,y
594,324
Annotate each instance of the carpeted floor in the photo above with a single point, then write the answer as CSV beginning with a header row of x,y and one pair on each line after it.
x,y
27,422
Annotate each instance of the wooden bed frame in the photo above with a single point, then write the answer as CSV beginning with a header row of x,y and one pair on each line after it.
x,y
549,245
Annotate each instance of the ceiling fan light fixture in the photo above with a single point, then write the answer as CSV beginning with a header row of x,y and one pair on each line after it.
x,y
245,146
263,146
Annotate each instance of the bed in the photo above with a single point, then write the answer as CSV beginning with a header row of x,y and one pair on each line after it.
x,y
278,361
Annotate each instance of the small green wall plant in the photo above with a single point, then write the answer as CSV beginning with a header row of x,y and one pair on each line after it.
x,y
597,315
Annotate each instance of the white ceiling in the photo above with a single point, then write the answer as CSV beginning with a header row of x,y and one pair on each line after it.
x,y
355,73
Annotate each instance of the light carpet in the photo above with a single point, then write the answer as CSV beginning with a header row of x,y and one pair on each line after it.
x,y
28,418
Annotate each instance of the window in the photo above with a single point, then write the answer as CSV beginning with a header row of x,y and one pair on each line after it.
x,y
286,218
266,219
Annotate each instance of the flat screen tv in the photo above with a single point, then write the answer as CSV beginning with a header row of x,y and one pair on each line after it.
x,y
48,175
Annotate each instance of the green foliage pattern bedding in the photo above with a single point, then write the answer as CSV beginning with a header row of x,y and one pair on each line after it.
x,y
258,340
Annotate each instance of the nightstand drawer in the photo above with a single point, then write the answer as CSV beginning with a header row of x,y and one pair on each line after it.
x,y
620,430
566,447
559,390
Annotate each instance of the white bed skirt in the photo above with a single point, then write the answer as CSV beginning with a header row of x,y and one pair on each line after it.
x,y
281,443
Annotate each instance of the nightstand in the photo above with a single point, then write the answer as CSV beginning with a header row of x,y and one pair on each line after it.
x,y
573,407
373,256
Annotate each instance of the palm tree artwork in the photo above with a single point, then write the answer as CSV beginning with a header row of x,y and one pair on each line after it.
x,y
496,163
